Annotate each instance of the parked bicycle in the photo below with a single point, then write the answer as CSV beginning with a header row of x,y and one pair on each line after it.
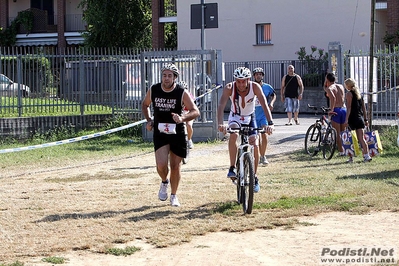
x,y
321,136
245,166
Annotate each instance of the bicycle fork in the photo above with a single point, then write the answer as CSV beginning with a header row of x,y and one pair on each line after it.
x,y
243,149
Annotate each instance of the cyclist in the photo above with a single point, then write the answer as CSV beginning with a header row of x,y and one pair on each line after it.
x,y
168,100
242,93
270,95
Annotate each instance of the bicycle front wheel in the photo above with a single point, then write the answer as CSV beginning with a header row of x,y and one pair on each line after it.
x,y
329,143
247,191
312,140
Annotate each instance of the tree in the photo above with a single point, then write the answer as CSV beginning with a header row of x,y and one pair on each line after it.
x,y
171,36
117,23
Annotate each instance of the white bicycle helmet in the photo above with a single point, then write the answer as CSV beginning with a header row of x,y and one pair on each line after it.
x,y
258,70
171,67
242,73
183,84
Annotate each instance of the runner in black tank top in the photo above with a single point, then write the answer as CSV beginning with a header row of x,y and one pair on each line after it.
x,y
169,100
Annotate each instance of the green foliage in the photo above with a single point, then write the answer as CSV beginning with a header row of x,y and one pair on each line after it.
x,y
55,260
316,54
35,65
122,252
117,23
171,36
57,133
391,38
389,135
33,107
17,263
313,62
8,36
170,28
122,120
295,202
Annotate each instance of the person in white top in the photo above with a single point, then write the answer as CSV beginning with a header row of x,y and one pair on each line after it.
x,y
242,93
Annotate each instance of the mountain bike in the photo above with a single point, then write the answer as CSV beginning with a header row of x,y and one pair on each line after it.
x,y
245,167
321,136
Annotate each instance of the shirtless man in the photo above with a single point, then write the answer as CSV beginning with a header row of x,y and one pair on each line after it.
x,y
336,95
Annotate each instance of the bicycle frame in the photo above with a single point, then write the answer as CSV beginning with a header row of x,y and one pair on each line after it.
x,y
321,136
242,150
245,169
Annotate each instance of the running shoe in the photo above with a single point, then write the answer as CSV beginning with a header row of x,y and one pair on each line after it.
x,y
263,160
174,201
367,158
232,172
190,144
163,191
256,185
350,160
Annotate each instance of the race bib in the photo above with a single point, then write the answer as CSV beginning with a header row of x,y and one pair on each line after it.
x,y
167,128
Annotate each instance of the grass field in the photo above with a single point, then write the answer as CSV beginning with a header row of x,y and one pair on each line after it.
x,y
93,195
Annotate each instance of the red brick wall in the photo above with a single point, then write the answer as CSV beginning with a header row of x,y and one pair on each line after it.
x,y
3,13
393,16
158,32
61,23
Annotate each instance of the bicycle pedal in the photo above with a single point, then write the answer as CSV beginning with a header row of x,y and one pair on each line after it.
x,y
234,182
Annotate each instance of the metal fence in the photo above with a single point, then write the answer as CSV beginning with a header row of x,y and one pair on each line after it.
x,y
79,81
85,81
385,76
275,70
45,81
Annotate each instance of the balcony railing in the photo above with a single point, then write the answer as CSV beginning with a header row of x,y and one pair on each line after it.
x,y
73,23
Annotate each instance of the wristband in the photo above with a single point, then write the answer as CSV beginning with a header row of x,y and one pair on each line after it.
x,y
270,123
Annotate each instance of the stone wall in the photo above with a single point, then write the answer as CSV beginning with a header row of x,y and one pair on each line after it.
x,y
312,95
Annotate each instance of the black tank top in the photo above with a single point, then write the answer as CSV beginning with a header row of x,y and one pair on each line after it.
x,y
166,103
356,109
291,86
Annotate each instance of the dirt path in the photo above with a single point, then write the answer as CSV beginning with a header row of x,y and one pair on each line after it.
x,y
301,245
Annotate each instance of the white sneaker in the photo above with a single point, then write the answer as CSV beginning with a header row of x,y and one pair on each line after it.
x,y
163,191
263,160
190,144
367,158
174,201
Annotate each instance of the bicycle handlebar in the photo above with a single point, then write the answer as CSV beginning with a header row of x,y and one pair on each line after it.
x,y
323,108
245,130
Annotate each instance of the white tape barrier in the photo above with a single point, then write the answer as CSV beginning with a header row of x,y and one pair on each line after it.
x,y
72,140
95,135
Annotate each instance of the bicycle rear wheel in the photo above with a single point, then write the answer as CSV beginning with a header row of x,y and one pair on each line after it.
x,y
329,143
247,191
312,140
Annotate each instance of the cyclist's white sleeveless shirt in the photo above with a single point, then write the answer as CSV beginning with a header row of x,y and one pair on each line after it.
x,y
236,101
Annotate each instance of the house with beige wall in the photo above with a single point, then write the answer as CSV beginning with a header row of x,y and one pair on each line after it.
x,y
56,22
260,30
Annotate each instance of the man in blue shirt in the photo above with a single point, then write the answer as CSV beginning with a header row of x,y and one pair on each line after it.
x,y
261,120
